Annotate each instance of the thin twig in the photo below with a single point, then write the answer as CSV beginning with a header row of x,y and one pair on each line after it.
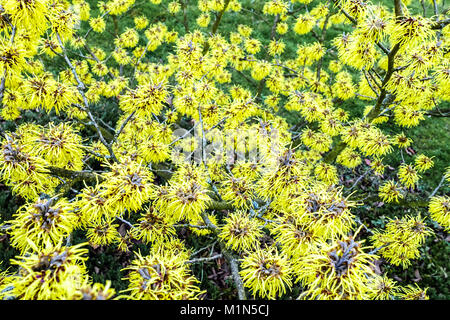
x,y
438,187
81,87
198,260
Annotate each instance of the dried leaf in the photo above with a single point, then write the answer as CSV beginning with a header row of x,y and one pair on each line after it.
x,y
410,151
397,278
417,276
376,266
122,230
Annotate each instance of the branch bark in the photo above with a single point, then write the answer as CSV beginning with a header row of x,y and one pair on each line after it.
x,y
81,87
70,174
232,260
376,110
216,24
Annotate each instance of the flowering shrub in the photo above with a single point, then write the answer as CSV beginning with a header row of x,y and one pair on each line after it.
x,y
165,132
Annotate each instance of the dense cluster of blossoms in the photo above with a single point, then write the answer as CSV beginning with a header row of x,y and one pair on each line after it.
x,y
192,147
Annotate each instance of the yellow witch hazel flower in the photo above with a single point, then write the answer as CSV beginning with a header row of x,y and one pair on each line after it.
x,y
317,140
145,100
359,53
174,7
304,24
154,151
96,291
141,22
63,22
23,171
390,191
439,208
343,87
260,70
413,292
423,163
240,231
30,15
401,239
375,143
447,174
295,236
282,28
13,58
408,31
383,288
97,24
47,220
408,175
267,273
349,158
326,173
325,211
60,145
407,116
238,191
117,7
153,226
187,200
161,275
203,20
276,47
127,39
337,270
91,206
285,169
53,272
102,232
402,141
378,166
128,186
275,7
